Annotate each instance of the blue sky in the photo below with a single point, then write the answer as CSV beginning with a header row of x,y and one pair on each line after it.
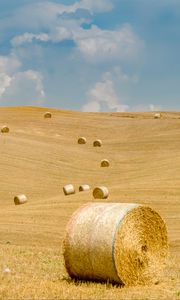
x,y
90,55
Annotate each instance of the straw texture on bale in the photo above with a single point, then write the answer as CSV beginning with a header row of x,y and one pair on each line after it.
x,y
20,199
82,140
97,143
157,116
100,192
105,163
84,187
5,129
120,242
69,189
47,115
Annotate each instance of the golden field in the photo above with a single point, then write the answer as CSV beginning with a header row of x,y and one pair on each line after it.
x,y
39,156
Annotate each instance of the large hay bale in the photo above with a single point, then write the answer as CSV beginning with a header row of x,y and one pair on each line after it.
x,y
97,143
47,115
20,199
105,163
5,129
117,242
82,140
157,116
100,192
69,189
84,187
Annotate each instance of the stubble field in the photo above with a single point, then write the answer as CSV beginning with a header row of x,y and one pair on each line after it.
x,y
39,156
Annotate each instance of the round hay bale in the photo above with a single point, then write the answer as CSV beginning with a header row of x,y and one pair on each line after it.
x,y
105,163
117,242
82,140
5,129
47,115
68,189
20,199
100,192
157,115
84,187
97,143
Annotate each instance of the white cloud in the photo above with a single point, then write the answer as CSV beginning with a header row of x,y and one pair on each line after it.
x,y
28,38
5,81
118,75
49,21
100,45
92,106
102,97
9,64
95,44
96,5
24,88
18,86
43,14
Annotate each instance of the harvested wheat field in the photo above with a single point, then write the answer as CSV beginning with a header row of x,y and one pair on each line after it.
x,y
38,158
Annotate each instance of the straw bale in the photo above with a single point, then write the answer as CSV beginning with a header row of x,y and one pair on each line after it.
x,y
84,187
105,163
100,192
157,115
5,129
69,189
47,115
20,199
97,143
82,140
124,243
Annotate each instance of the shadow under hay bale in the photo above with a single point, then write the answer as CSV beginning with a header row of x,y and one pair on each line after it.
x,y
105,163
47,115
20,199
68,189
84,187
97,143
5,129
124,243
82,140
100,192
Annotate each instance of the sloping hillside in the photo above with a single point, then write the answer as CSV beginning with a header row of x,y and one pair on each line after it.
x,y
38,156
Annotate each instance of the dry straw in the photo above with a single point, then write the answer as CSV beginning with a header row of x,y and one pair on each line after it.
x,y
97,143
69,189
20,199
47,115
84,187
5,129
82,140
105,163
117,242
157,115
100,192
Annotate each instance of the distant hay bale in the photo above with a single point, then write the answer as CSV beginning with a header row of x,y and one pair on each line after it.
x,y
82,140
157,116
105,163
69,189
101,192
7,271
20,199
84,187
5,129
47,115
124,243
97,143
